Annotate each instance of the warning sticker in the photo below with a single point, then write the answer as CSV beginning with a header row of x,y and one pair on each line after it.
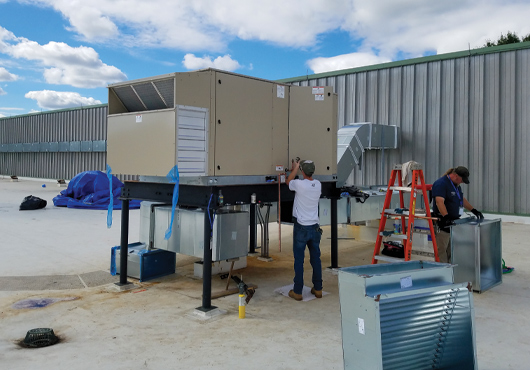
x,y
280,91
319,97
318,90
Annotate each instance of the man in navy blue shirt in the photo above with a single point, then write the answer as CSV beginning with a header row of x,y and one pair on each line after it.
x,y
448,205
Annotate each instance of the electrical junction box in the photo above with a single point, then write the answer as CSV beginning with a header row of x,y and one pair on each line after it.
x,y
213,123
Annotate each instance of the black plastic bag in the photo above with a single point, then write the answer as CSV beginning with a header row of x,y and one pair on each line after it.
x,y
30,202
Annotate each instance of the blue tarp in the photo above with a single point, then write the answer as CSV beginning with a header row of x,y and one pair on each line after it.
x,y
90,189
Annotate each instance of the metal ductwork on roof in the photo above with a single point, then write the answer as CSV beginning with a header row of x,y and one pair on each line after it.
x,y
354,139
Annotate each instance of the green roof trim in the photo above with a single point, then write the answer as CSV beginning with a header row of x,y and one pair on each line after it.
x,y
57,111
407,62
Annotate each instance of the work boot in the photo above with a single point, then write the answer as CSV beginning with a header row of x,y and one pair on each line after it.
x,y
316,293
295,296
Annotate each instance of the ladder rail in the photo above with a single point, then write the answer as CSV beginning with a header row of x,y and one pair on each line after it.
x,y
418,186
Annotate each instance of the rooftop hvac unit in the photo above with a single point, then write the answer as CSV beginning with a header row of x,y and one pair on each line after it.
x,y
219,126
406,316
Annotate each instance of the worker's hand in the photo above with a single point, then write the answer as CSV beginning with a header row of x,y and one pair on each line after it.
x,y
295,165
445,221
478,214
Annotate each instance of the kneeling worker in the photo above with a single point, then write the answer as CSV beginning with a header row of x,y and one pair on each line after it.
x,y
306,229
448,205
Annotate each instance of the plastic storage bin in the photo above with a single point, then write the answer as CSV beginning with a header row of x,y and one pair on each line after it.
x,y
143,264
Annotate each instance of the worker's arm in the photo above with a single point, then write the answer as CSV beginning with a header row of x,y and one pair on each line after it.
x,y
440,203
467,205
294,171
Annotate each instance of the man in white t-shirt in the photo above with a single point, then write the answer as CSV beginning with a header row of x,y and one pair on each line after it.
x,y
306,229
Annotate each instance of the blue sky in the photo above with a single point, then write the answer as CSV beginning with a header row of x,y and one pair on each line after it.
x,y
63,53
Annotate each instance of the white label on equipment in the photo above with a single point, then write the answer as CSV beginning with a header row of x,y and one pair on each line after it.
x,y
360,323
279,168
234,235
138,118
280,91
318,90
406,282
319,97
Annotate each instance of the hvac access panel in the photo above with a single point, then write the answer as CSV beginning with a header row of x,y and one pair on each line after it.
x,y
313,127
142,143
244,118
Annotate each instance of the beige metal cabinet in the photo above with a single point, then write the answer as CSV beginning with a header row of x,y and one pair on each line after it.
x,y
313,127
253,126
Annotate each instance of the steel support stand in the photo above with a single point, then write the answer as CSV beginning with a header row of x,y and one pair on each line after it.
x,y
207,266
124,242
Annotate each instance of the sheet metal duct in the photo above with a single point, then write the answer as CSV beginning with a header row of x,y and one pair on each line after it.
x,y
354,139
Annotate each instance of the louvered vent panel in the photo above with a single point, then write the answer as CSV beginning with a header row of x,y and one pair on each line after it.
x,y
427,331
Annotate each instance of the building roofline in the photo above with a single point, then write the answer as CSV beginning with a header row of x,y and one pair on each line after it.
x,y
406,62
56,111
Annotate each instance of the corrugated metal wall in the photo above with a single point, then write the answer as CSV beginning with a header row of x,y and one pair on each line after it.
x,y
472,111
22,139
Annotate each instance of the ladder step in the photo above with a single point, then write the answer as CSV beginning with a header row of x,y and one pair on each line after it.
x,y
389,259
406,189
422,253
395,236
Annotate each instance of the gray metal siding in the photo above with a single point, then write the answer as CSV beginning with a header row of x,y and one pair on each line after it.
x,y
472,110
54,145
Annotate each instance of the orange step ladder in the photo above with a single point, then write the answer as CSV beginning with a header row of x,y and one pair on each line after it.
x,y
417,187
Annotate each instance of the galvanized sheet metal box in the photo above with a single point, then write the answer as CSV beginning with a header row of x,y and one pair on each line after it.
x,y
476,252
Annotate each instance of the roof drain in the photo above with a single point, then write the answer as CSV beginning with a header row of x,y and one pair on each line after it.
x,y
40,337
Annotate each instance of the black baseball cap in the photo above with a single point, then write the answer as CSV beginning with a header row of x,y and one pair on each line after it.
x,y
463,172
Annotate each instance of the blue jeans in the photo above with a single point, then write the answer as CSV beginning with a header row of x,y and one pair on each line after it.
x,y
310,236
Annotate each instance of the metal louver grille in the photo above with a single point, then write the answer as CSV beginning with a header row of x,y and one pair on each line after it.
x,y
149,96
146,96
166,89
129,99
427,331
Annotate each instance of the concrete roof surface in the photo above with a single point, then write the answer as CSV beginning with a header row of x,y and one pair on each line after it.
x,y
63,255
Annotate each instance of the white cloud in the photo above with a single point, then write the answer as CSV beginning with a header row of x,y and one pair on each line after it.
x,y
202,24
6,76
63,64
320,65
2,92
385,28
48,99
225,62
416,27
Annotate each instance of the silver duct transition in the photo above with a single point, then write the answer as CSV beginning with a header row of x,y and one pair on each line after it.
x,y
354,139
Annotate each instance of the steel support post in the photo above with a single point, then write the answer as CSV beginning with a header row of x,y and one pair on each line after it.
x,y
124,242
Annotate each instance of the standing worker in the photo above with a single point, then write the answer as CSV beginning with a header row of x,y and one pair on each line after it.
x,y
448,205
306,230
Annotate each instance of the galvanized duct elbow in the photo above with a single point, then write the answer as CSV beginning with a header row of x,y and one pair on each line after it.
x,y
354,139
